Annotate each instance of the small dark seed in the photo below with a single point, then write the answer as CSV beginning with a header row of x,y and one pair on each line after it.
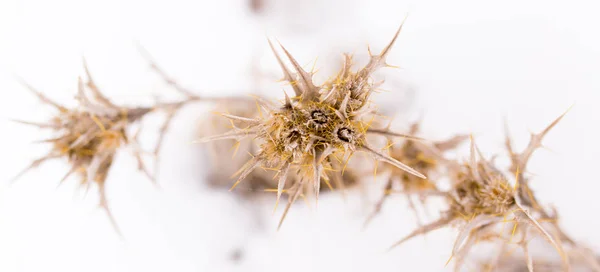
x,y
461,192
318,117
345,134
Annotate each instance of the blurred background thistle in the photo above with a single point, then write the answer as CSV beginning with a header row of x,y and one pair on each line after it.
x,y
90,135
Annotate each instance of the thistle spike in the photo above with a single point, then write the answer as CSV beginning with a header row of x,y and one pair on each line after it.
x,y
291,200
40,96
440,223
39,125
288,102
250,121
225,136
281,182
104,205
316,165
310,91
286,73
386,132
393,162
98,96
378,61
246,170
521,160
344,105
32,165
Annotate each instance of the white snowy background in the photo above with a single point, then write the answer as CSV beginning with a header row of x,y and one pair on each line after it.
x,y
465,66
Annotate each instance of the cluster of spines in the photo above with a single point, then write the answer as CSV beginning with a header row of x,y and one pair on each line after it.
x,y
318,123
88,136
482,201
305,137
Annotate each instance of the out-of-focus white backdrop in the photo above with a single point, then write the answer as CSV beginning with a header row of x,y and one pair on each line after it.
x,y
467,66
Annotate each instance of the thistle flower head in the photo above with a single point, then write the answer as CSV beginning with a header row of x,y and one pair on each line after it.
x,y
482,201
318,125
224,164
479,191
90,135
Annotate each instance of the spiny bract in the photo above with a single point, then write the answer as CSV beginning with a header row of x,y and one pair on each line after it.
x,y
318,125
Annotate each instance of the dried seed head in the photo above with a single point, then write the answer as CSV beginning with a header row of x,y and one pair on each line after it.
x,y
472,197
257,182
89,136
482,201
320,124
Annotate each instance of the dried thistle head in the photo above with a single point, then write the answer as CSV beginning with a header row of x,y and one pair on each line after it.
x,y
483,190
482,201
423,156
222,164
317,126
90,135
